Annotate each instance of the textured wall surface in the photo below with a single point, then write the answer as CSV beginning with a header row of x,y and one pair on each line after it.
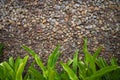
x,y
42,24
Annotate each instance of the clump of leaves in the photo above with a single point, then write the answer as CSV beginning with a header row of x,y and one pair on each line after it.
x,y
49,71
92,67
113,75
81,69
87,69
12,70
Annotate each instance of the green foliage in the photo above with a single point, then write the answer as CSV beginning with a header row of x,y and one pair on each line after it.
x,y
91,67
53,58
33,74
49,72
87,68
12,70
75,61
70,72
113,75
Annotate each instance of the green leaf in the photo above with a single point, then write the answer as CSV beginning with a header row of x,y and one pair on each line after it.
x,y
88,56
64,76
115,75
82,70
70,61
113,61
37,59
95,55
35,73
53,57
75,61
51,74
11,62
89,60
17,63
29,50
8,69
71,74
101,63
3,72
21,68
101,72
40,64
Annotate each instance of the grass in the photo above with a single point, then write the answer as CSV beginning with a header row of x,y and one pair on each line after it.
x,y
91,67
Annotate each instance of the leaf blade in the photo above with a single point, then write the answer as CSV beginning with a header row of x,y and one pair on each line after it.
x,y
103,71
71,74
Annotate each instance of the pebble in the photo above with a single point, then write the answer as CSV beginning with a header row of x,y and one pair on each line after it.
x,y
89,26
1,26
57,7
